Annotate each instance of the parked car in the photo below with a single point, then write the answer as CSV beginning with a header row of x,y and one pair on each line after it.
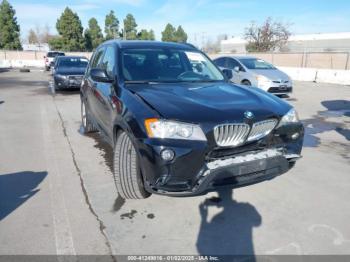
x,y
49,58
252,71
178,126
69,71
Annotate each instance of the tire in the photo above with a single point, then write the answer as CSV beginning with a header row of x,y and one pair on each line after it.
x,y
246,83
88,126
126,171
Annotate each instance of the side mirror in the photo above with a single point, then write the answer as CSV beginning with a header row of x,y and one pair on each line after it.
x,y
227,73
100,75
236,68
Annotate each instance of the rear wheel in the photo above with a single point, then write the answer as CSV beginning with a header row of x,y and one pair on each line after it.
x,y
88,126
246,83
127,173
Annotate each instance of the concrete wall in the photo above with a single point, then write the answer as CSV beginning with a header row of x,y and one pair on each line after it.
x,y
29,58
341,77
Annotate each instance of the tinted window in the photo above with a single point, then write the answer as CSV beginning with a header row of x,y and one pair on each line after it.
x,y
220,62
72,62
97,58
108,62
54,54
253,63
231,63
168,65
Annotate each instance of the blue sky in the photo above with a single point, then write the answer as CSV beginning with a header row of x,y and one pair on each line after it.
x,y
200,18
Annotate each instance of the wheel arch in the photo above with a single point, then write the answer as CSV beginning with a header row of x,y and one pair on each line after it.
x,y
246,80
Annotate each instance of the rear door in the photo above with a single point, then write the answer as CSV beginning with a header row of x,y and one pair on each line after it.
x,y
105,91
92,100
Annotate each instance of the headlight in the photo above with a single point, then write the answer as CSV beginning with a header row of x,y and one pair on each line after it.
x,y
160,128
262,79
290,117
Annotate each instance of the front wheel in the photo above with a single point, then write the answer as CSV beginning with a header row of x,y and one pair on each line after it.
x,y
246,83
127,173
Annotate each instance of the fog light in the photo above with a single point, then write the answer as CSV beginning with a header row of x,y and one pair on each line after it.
x,y
295,135
167,154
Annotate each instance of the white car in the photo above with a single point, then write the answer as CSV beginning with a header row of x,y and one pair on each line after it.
x,y
49,59
252,71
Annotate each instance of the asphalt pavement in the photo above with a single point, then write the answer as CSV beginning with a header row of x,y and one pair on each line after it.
x,y
57,194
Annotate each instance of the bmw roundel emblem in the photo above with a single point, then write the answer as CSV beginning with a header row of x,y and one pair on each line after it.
x,y
249,114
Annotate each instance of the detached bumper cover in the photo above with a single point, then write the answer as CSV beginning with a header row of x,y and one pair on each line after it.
x,y
238,171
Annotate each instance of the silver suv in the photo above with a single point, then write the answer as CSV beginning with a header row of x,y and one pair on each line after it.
x,y
252,71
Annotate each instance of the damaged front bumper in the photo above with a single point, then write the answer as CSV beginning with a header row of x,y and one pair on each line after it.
x,y
237,171
200,167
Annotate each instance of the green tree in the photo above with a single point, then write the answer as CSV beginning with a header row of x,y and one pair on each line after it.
x,y
130,27
168,35
32,37
95,33
70,29
111,26
151,35
146,35
180,35
88,41
9,28
56,42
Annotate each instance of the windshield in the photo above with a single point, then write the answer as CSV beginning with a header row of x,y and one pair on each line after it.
x,y
72,62
253,63
167,65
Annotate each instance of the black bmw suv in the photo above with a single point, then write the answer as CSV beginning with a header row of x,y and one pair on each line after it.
x,y
178,126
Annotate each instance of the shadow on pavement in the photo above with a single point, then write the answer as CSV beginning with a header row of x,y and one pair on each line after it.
x,y
2,70
68,91
17,188
230,232
320,122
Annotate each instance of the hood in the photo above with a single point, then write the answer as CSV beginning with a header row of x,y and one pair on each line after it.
x,y
209,102
272,74
71,70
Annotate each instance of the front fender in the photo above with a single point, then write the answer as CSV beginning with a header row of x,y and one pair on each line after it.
x,y
131,116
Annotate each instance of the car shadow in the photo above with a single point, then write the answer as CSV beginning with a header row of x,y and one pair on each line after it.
x,y
3,70
1,102
17,188
230,232
67,91
320,123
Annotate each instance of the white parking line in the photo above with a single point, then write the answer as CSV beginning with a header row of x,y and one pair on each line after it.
x,y
62,230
